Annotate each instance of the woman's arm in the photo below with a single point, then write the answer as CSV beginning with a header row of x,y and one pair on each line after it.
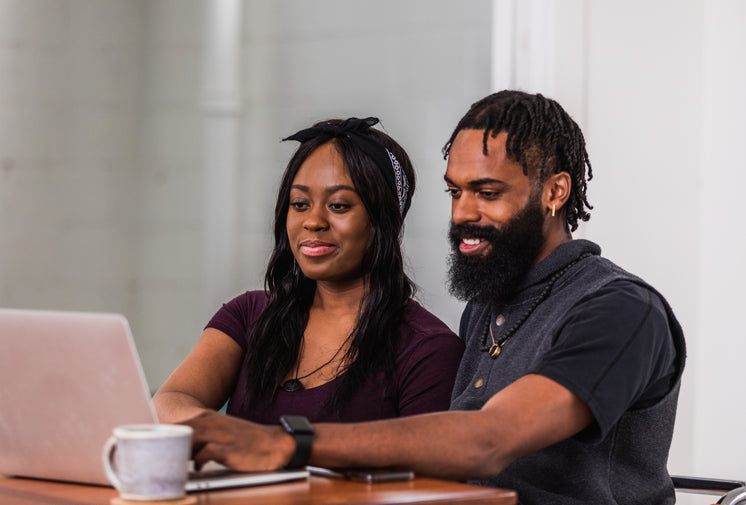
x,y
202,381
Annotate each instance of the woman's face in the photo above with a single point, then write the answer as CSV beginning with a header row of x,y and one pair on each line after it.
x,y
327,224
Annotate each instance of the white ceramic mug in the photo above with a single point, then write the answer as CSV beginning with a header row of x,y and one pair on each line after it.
x,y
148,461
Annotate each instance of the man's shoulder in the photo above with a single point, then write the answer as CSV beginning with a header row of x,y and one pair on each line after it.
x,y
595,272
600,274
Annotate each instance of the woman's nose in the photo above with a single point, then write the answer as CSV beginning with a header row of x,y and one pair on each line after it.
x,y
315,219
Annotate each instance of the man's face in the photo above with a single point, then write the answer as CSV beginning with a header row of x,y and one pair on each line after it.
x,y
497,219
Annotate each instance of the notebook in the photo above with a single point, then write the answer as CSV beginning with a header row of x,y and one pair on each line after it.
x,y
66,380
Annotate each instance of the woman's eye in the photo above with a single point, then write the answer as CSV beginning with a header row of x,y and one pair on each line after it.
x,y
338,206
298,206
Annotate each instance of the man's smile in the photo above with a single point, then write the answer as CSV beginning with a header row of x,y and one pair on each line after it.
x,y
471,246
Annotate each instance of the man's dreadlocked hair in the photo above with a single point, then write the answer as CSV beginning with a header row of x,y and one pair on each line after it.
x,y
537,127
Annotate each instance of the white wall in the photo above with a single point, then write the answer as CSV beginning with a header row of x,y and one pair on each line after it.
x,y
70,78
717,356
100,199
168,314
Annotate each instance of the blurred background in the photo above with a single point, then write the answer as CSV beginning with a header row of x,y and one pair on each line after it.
x,y
140,153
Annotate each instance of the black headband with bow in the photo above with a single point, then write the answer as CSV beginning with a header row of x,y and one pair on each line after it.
x,y
383,158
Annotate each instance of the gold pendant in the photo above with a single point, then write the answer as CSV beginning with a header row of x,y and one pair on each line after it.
x,y
495,351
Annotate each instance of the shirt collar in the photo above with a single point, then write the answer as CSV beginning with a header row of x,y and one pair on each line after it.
x,y
564,254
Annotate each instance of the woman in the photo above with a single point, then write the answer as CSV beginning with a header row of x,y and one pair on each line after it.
x,y
336,335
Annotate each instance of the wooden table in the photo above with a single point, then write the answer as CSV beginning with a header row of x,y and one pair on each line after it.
x,y
314,491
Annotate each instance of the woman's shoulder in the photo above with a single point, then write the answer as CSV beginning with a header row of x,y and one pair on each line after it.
x,y
421,324
250,302
235,316
427,344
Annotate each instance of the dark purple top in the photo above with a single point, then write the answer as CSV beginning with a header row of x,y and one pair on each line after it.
x,y
426,365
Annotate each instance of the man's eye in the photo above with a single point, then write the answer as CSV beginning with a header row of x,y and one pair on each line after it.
x,y
489,195
455,193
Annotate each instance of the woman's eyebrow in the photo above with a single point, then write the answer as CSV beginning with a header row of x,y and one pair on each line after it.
x,y
339,187
328,189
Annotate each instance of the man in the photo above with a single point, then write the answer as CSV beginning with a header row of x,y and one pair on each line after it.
x,y
568,387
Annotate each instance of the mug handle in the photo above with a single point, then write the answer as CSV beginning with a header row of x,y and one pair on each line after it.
x,y
107,456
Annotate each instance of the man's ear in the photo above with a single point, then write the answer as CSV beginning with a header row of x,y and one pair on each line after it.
x,y
556,192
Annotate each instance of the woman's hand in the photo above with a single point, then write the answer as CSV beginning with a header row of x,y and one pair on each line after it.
x,y
238,444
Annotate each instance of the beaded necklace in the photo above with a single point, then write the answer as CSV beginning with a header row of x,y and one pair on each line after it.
x,y
497,346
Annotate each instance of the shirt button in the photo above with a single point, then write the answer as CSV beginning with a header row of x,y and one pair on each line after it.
x,y
500,320
479,383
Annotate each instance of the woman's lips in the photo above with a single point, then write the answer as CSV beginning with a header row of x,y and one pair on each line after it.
x,y
316,248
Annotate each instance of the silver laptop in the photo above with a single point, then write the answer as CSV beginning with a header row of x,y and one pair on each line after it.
x,y
66,380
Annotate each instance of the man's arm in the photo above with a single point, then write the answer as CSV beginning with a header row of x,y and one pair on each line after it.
x,y
532,413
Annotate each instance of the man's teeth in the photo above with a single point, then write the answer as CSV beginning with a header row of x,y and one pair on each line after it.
x,y
471,241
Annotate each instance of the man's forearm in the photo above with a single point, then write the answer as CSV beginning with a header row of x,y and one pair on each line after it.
x,y
454,445
530,414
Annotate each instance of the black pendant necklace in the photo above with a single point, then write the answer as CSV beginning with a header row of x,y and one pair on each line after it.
x,y
293,385
497,347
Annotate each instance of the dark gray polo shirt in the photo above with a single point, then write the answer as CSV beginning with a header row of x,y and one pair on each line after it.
x,y
609,338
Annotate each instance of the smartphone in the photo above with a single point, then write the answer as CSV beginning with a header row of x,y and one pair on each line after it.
x,y
373,475
369,475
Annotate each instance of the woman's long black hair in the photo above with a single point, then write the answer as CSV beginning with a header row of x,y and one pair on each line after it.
x,y
275,338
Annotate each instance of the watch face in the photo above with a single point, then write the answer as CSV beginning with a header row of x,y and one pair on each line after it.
x,y
296,424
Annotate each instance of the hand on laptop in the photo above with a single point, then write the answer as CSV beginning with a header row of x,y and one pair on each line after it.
x,y
239,444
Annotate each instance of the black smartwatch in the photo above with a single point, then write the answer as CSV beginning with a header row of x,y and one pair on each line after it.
x,y
302,432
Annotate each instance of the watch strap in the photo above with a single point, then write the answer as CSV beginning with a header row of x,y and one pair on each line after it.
x,y
302,451
303,435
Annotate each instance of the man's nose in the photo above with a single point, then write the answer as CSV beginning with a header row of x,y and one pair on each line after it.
x,y
465,209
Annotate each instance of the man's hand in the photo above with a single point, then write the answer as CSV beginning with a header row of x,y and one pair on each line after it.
x,y
238,444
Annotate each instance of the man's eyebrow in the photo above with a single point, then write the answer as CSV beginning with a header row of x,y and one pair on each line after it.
x,y
328,189
476,182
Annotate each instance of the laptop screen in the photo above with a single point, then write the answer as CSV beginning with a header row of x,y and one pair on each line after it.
x,y
68,378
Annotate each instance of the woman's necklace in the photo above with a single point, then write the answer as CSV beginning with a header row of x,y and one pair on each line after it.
x,y
292,385
497,347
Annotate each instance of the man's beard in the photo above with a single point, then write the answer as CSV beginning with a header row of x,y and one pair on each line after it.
x,y
496,275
